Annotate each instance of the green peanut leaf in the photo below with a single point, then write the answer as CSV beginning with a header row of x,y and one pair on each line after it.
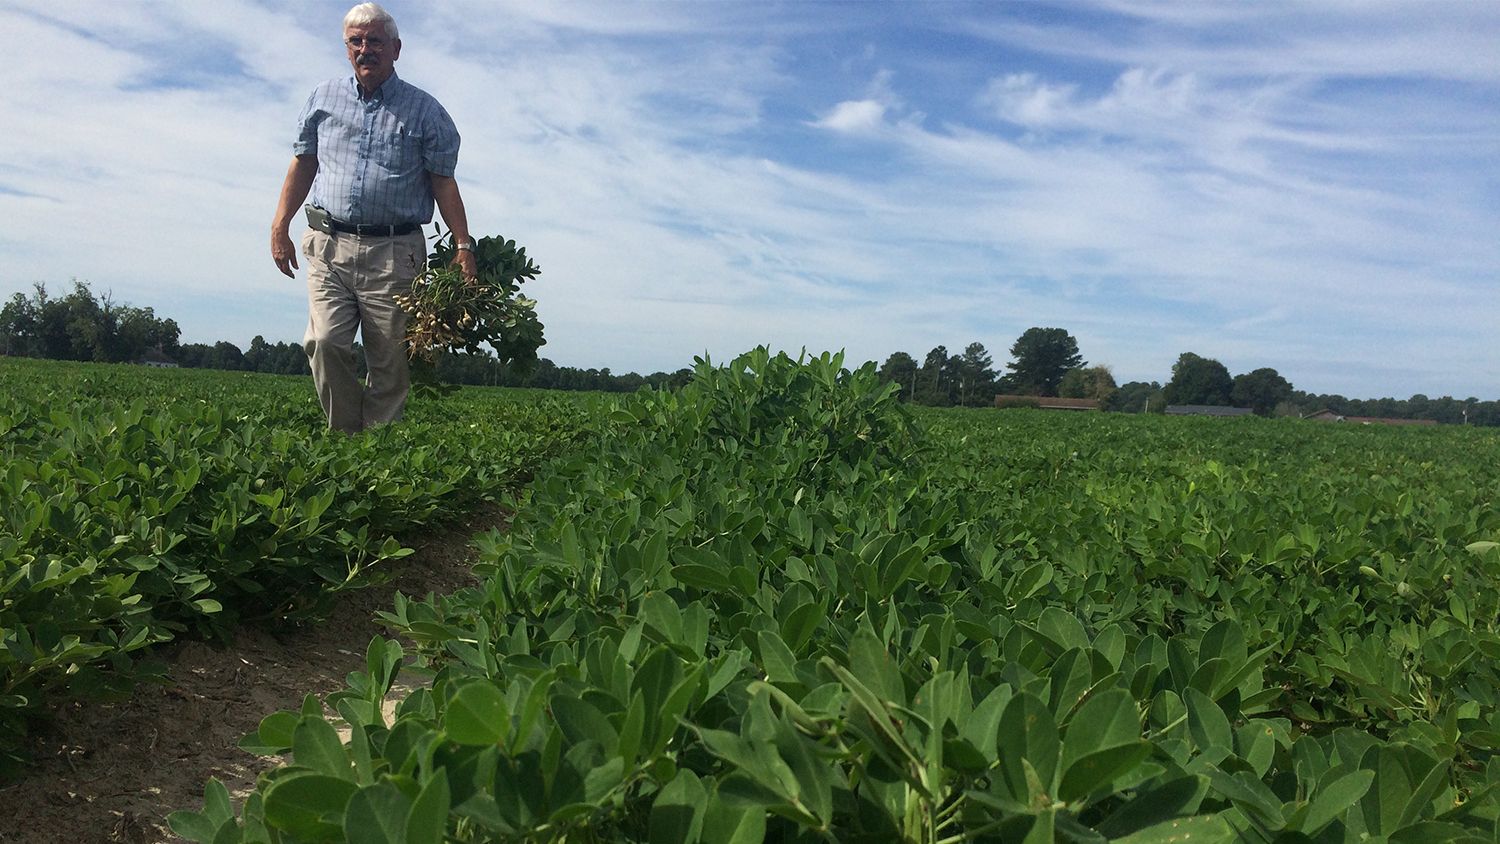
x,y
1333,799
872,664
724,823
316,745
1028,734
1108,719
582,721
194,826
1208,725
678,812
1095,770
1201,829
477,715
1168,801
801,624
776,658
377,814
309,806
427,822
274,735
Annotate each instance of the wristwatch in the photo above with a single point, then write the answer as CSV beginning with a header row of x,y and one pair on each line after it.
x,y
464,246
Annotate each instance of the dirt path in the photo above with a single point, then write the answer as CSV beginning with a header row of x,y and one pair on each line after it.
x,y
113,772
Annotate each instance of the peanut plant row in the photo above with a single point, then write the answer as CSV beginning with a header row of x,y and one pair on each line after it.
x,y
778,606
140,506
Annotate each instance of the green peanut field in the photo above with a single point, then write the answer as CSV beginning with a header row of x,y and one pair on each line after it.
x,y
780,605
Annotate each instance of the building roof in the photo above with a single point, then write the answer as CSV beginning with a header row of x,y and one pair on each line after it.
x,y
1207,410
1326,415
1046,402
1386,420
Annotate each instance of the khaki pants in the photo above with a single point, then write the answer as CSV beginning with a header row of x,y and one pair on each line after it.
x,y
350,282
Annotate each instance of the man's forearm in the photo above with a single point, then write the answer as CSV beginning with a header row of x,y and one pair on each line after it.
x,y
299,179
451,205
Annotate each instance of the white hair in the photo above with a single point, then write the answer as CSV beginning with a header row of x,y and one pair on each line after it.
x,y
366,14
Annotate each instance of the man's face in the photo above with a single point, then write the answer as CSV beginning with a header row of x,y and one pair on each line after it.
x,y
374,57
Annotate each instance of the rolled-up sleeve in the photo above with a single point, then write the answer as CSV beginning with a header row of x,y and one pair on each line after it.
x,y
307,127
440,144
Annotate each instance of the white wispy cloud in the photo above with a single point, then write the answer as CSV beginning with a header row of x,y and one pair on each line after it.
x,y
853,116
1285,185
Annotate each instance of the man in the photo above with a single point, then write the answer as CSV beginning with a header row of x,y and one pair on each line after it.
x,y
376,153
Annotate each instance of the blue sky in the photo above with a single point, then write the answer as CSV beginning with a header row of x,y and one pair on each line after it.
x,y
1305,186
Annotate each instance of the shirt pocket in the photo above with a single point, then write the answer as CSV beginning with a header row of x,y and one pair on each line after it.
x,y
405,148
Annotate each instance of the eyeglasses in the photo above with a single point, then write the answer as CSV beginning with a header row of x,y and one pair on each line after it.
x,y
357,42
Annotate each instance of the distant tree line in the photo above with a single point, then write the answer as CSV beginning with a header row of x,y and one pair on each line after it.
x,y
485,369
1044,362
463,368
1199,380
1445,409
83,327
1047,362
78,326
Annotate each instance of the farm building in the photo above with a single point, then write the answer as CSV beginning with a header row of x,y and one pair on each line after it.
x,y
1046,402
157,358
1386,420
1326,415
1206,410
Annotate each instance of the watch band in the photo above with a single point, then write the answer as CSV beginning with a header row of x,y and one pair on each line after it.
x,y
464,246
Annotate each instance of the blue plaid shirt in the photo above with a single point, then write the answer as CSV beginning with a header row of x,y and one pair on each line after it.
x,y
374,155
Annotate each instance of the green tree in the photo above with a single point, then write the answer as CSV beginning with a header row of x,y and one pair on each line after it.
x,y
976,376
71,327
138,331
901,368
18,325
1484,413
227,355
1040,358
1419,406
1261,390
934,384
1094,382
1198,380
1138,397
258,356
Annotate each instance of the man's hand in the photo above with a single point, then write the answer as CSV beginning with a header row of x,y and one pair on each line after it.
x,y
464,260
450,204
284,253
299,179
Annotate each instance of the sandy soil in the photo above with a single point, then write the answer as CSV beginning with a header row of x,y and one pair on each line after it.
x,y
113,772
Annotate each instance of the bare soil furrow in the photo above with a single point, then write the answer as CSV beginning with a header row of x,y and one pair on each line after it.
x,y
112,772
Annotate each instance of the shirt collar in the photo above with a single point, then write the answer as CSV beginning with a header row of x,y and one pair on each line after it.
x,y
390,84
